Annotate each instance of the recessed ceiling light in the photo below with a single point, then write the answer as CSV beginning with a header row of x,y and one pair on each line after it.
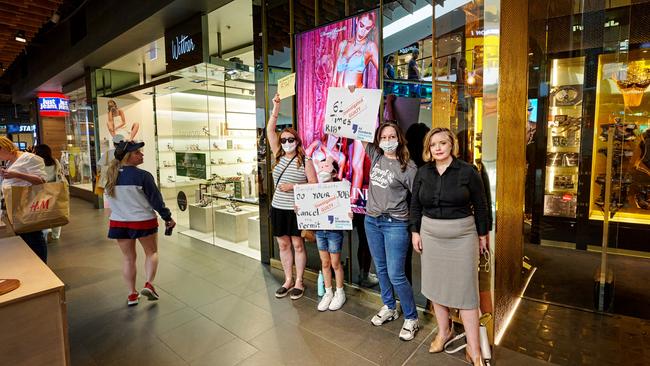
x,y
171,87
20,37
149,93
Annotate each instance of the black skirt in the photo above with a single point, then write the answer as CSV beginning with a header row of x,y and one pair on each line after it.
x,y
284,222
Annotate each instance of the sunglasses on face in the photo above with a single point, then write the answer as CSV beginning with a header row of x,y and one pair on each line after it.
x,y
290,140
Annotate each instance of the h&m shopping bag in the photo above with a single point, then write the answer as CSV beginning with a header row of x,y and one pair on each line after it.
x,y
37,207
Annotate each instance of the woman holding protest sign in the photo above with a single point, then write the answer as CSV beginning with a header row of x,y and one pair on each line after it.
x,y
289,170
450,223
391,179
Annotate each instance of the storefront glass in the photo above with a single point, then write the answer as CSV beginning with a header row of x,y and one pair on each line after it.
x,y
588,173
75,153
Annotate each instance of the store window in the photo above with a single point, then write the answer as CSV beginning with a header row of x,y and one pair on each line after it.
x,y
588,181
75,153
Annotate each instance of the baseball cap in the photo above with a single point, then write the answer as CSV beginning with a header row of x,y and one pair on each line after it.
x,y
117,139
126,147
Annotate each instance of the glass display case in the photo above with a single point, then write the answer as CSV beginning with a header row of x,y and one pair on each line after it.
x,y
563,137
79,132
623,109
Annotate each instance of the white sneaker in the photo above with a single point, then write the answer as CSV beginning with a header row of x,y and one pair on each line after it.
x,y
384,315
324,303
410,327
338,301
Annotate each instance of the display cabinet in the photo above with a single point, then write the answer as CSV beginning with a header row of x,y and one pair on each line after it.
x,y
563,137
622,108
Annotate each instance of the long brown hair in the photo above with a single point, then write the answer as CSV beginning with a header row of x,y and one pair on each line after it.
x,y
300,152
402,151
112,173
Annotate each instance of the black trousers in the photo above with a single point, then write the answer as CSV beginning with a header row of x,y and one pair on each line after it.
x,y
36,241
363,252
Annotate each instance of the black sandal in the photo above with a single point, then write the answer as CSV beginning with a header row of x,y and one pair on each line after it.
x,y
296,293
282,292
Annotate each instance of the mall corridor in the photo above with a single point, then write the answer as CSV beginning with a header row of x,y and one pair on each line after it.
x,y
216,308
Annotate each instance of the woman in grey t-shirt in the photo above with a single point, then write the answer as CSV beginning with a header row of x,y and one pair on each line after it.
x,y
391,180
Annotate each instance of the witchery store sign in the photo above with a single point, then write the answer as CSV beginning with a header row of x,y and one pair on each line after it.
x,y
184,44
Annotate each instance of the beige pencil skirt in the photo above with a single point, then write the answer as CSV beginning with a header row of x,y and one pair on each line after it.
x,y
450,262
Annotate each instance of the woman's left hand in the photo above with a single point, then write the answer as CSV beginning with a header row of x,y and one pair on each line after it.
x,y
483,244
285,187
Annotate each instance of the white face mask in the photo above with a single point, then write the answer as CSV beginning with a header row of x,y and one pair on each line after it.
x,y
289,147
388,146
324,176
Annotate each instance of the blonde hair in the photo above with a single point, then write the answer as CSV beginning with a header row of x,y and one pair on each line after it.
x,y
112,173
8,145
426,151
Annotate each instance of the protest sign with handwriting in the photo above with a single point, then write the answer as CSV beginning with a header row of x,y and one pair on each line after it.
x,y
352,114
287,86
323,206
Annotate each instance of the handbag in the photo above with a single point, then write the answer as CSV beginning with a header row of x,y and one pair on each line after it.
x,y
484,340
308,235
37,207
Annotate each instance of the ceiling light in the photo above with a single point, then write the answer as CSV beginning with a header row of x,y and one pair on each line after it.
x,y
20,37
198,81
55,18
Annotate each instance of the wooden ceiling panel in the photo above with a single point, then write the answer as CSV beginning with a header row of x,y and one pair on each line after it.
x,y
27,16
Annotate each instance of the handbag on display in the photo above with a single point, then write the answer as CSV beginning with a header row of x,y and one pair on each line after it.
x,y
37,207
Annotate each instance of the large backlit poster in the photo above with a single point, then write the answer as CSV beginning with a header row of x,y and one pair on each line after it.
x,y
340,54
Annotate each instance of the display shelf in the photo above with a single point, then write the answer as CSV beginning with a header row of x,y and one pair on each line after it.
x,y
627,107
198,151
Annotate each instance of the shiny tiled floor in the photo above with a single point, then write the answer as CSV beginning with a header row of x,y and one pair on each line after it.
x,y
216,308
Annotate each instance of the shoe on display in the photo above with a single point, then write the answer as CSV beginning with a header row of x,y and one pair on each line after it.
x,y
338,300
384,315
133,299
368,279
150,292
326,300
410,327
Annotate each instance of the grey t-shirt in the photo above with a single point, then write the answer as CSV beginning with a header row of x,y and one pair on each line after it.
x,y
389,185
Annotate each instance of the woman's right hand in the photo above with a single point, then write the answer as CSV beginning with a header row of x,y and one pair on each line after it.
x,y
276,102
417,242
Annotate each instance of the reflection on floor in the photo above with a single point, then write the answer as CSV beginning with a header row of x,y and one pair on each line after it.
x,y
566,276
569,336
241,247
216,308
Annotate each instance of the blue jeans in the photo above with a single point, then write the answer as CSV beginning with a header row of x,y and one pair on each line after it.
x,y
330,241
388,240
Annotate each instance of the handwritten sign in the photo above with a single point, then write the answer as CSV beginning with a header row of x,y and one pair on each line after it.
x,y
323,206
287,86
352,114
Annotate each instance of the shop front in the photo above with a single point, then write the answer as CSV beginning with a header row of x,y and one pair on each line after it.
x,y
588,178
195,111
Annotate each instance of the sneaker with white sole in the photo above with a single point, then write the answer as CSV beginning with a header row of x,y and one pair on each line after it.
x,y
384,315
324,303
410,327
338,300
133,299
150,292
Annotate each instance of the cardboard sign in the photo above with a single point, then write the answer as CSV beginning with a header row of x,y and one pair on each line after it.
x,y
323,206
287,86
352,114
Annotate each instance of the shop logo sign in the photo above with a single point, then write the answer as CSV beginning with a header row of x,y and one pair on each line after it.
x,y
53,104
181,45
40,205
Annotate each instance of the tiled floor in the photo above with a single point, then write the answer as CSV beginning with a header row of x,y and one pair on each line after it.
x,y
216,308
567,336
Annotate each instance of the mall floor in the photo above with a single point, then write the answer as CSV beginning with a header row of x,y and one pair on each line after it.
x,y
217,308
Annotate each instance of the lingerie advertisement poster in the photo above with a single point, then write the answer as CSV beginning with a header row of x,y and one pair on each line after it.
x,y
340,54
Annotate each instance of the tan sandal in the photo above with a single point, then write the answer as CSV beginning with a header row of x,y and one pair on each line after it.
x,y
438,343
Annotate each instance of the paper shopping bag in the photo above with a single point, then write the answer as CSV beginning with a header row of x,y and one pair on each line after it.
x,y
37,207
